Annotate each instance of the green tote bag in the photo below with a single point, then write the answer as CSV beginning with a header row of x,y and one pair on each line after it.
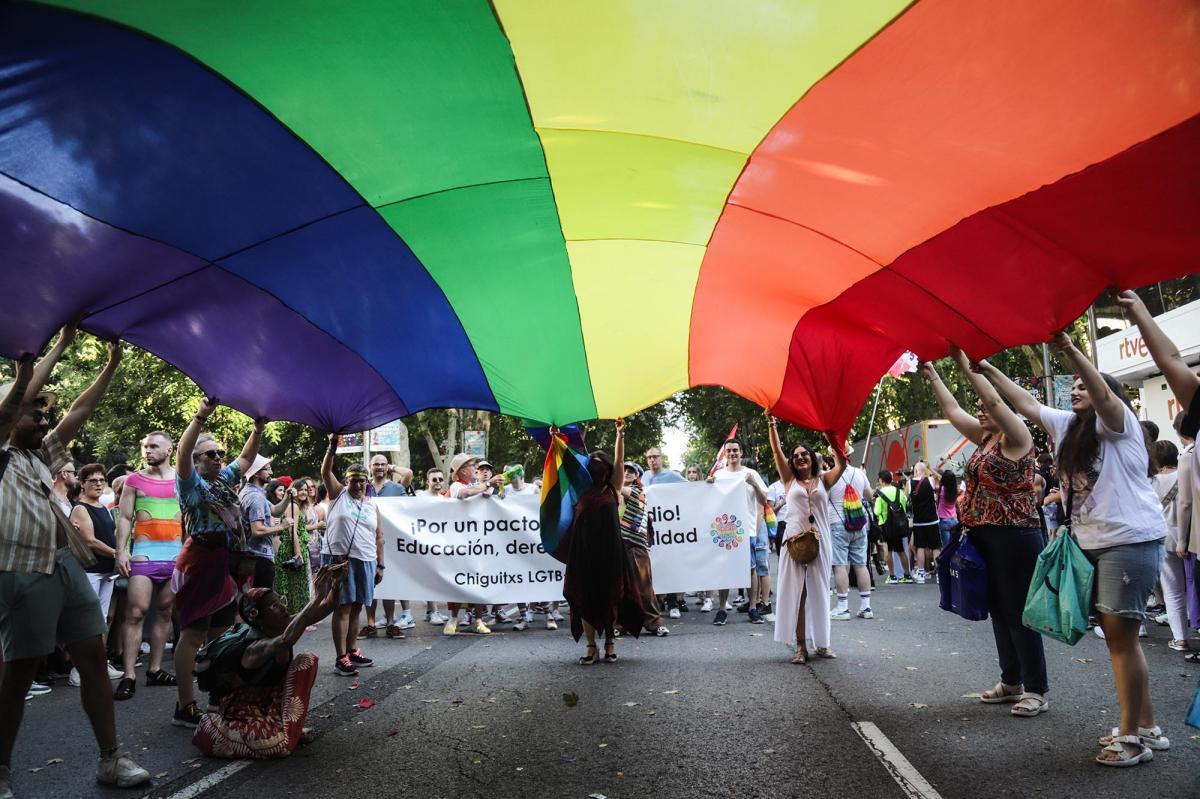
x,y
1060,593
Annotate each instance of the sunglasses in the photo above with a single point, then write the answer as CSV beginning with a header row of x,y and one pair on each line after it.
x,y
96,481
215,454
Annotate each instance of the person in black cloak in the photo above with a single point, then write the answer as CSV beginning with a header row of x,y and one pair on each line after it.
x,y
600,584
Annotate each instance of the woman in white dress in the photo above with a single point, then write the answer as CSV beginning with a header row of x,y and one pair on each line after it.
x,y
802,595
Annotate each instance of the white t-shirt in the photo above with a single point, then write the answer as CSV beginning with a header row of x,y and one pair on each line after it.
x,y
1114,503
1163,483
350,527
851,476
777,493
526,488
456,489
724,473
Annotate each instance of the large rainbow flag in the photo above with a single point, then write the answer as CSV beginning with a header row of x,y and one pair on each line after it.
x,y
564,479
255,189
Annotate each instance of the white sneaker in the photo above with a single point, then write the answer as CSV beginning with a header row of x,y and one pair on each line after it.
x,y
144,648
707,606
120,770
840,615
551,624
554,614
1099,632
521,624
73,679
509,614
920,577
528,616
39,689
674,613
114,673
865,613
437,618
728,607
1142,632
405,621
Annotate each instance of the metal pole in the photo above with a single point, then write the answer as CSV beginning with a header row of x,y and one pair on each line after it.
x,y
1092,333
1048,375
870,425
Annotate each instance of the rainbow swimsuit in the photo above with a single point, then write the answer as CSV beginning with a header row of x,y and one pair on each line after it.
x,y
158,538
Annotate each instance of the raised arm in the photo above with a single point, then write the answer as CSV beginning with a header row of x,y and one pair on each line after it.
x,y
86,402
327,583
1025,403
250,450
1108,405
187,441
10,407
617,478
333,488
1017,438
839,464
781,462
46,365
966,424
1180,377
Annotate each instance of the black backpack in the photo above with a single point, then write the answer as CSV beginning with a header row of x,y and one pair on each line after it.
x,y
896,526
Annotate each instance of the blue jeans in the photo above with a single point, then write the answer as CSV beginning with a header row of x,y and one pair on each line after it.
x,y
946,528
1011,556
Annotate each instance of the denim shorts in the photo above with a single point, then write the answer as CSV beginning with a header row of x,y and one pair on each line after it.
x,y
1125,576
849,548
359,587
760,549
946,530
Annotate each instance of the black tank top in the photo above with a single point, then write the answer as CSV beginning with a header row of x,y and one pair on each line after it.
x,y
105,530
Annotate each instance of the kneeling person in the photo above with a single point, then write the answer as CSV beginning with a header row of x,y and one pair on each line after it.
x,y
261,688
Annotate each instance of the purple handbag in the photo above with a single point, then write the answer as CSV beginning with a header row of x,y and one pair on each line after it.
x,y
962,580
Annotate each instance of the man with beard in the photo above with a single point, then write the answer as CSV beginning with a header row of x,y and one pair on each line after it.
x,y
45,596
149,510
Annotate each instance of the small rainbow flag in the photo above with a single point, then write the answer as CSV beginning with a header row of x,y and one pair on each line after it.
x,y
564,479
771,521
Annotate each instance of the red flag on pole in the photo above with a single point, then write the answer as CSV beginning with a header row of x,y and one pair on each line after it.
x,y
719,461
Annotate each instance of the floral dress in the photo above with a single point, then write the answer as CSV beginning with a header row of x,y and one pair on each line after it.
x,y
293,584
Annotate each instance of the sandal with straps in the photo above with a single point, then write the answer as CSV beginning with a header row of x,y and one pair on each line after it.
x,y
801,656
826,652
161,677
1031,705
1150,736
126,688
1123,758
1000,693
591,656
610,654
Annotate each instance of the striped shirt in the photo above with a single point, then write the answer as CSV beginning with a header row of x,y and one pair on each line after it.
x,y
633,518
32,526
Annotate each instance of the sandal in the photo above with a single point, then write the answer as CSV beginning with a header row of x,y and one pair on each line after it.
x,y
801,656
1001,693
1031,704
826,652
610,653
126,688
1177,645
1192,658
1123,758
161,677
1151,737
590,657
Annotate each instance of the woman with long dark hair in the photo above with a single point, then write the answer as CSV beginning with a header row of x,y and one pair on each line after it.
x,y
999,514
802,593
599,582
947,505
1105,465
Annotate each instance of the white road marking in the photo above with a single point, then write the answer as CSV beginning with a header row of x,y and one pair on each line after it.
x,y
906,776
200,786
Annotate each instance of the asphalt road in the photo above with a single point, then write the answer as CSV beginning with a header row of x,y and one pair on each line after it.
x,y
709,711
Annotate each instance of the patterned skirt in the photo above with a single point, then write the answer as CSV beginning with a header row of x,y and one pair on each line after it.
x,y
293,584
260,723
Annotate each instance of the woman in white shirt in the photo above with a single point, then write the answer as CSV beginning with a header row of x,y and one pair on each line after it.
x,y
1174,581
1114,514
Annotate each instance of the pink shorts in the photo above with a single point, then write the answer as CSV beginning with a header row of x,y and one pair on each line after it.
x,y
158,571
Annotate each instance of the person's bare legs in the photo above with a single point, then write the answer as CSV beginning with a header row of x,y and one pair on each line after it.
x,y
764,589
189,643
137,603
95,691
342,629
164,610
841,579
753,588
863,578
353,611
389,611
1130,674
801,656
722,598
18,676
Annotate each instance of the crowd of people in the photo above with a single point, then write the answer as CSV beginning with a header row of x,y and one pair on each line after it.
x,y
211,550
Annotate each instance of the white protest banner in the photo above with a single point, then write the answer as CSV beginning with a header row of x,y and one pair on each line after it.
x,y
480,550
702,535
488,550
